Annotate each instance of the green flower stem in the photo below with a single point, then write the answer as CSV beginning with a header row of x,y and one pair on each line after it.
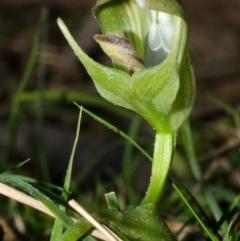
x,y
162,159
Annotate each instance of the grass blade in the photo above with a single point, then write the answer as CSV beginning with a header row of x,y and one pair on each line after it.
x,y
196,170
41,151
230,110
205,228
14,112
127,164
78,96
113,128
15,181
189,149
58,225
229,210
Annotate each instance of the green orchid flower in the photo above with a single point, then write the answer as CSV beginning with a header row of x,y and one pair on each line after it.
x,y
152,73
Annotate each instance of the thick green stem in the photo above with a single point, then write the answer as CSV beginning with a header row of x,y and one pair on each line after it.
x,y
162,159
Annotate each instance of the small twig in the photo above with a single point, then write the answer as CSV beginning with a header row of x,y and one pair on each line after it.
x,y
101,232
104,230
23,198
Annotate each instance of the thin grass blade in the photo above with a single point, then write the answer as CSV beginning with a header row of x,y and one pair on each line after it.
x,y
196,170
14,112
22,185
113,128
205,228
58,225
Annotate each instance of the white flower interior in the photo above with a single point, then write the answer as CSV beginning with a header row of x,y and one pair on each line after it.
x,y
161,31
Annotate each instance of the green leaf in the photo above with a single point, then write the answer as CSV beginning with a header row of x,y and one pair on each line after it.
x,y
58,225
17,182
112,202
76,231
15,168
227,235
141,224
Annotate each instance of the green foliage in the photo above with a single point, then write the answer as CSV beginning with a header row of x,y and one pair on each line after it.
x,y
215,208
143,223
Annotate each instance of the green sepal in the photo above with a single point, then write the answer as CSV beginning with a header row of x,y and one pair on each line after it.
x,y
111,83
184,101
